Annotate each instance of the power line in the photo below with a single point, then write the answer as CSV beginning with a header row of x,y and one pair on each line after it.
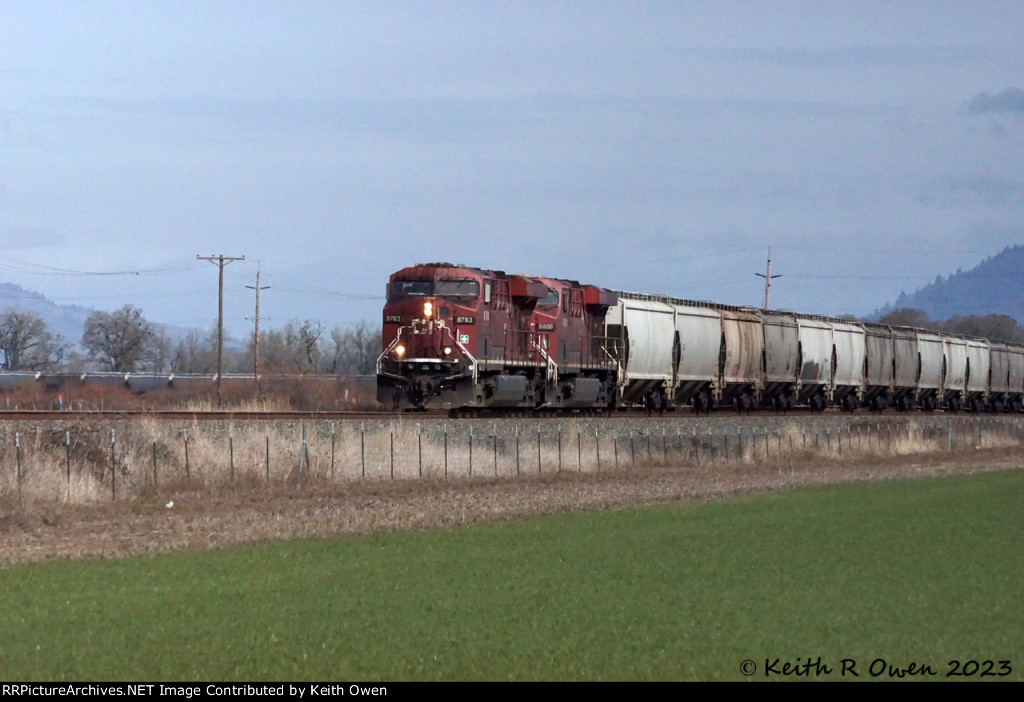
x,y
220,261
256,335
14,264
768,277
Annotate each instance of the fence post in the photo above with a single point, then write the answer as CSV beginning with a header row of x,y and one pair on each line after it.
x,y
559,448
362,446
419,445
445,428
517,449
495,442
154,460
470,450
113,468
539,469
231,449
332,451
615,448
67,453
188,472
391,430
17,460
266,455
597,447
579,449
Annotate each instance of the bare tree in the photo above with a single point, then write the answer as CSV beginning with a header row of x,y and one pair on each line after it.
x,y
159,357
309,344
27,344
294,347
305,348
119,340
196,353
355,349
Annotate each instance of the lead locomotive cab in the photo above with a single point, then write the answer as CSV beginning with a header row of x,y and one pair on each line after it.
x,y
430,321
454,337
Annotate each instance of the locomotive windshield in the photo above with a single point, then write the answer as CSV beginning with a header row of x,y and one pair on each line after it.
x,y
457,288
409,288
440,288
550,299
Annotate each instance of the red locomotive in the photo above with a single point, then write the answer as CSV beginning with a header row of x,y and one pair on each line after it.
x,y
459,337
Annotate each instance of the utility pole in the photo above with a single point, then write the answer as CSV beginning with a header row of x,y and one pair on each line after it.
x,y
256,335
767,275
221,261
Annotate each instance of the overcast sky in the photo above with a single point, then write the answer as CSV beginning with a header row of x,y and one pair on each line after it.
x,y
661,147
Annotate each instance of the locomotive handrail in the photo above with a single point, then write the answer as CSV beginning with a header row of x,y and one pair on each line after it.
x,y
386,351
551,365
618,366
464,351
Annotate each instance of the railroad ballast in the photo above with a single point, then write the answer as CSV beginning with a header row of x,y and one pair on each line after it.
x,y
460,337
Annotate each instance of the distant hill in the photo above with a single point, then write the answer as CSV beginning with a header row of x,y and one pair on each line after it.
x,y
994,286
66,320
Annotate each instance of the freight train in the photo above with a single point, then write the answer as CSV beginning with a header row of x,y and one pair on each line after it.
x,y
469,339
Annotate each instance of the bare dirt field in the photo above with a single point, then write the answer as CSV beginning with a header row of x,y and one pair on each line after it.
x,y
250,513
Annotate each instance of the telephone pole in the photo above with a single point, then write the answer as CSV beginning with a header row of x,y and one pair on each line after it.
x,y
767,275
220,261
256,335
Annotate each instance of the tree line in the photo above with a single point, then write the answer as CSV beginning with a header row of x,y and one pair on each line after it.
x,y
124,341
999,327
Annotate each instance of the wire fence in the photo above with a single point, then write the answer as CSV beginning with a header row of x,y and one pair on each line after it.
x,y
128,460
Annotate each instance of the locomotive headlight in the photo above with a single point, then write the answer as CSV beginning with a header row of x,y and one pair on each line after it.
x,y
428,309
399,350
447,350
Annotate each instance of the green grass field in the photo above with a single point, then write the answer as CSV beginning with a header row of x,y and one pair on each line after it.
x,y
921,572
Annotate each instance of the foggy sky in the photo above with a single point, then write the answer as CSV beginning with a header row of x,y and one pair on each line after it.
x,y
661,147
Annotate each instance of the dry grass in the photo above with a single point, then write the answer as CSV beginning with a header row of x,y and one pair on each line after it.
x,y
290,392
255,481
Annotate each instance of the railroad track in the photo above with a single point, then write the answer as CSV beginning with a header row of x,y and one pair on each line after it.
x,y
277,415
200,415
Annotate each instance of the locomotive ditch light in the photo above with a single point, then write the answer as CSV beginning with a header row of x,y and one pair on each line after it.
x,y
428,309
399,350
447,350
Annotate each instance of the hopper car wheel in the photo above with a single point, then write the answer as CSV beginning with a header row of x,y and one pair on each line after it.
x,y
780,403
